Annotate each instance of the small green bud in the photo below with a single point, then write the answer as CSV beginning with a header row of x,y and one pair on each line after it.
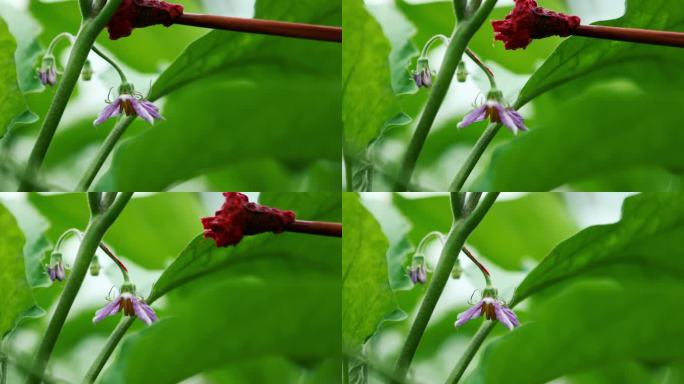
x,y
461,72
456,272
87,72
95,267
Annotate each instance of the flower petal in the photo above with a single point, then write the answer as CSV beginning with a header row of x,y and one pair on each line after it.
x,y
502,316
110,111
511,316
518,119
142,111
506,118
108,310
142,313
151,108
478,114
468,315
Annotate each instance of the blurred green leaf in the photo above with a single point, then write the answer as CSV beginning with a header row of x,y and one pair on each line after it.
x,y
25,30
650,235
368,102
13,104
586,327
366,294
263,121
15,293
602,133
579,56
254,254
233,321
150,231
524,228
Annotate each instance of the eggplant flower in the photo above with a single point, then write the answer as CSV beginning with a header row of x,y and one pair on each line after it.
x,y
56,268
48,71
496,112
492,309
130,304
131,103
422,75
418,270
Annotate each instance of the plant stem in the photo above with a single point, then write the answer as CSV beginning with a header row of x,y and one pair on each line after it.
x,y
460,230
471,202
457,205
483,66
111,62
56,40
102,154
470,351
460,9
348,173
322,228
472,258
454,52
79,53
266,27
345,370
108,349
474,156
97,227
633,35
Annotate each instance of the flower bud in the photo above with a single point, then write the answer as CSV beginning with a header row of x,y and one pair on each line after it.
x,y
95,267
48,71
87,72
461,72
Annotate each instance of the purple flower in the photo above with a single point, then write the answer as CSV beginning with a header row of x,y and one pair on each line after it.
x,y
130,103
56,267
493,110
130,304
56,272
418,275
492,309
48,71
422,76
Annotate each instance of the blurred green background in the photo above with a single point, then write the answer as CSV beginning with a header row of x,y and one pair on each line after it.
x,y
264,311
599,276
242,111
609,121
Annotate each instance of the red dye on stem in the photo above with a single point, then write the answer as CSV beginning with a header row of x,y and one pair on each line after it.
x,y
322,228
238,218
528,21
141,13
633,35
474,260
113,256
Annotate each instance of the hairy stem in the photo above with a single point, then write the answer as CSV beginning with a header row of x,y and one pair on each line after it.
x,y
470,351
108,349
103,153
458,234
79,53
454,52
97,227
474,156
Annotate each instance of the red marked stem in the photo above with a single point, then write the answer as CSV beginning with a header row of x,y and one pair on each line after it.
x,y
113,256
474,260
633,35
265,27
322,228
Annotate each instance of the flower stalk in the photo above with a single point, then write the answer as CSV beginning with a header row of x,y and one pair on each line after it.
x,y
460,230
462,34
322,228
79,54
632,35
97,227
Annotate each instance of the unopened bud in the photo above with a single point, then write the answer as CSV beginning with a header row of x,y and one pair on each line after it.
x,y
87,72
95,267
461,72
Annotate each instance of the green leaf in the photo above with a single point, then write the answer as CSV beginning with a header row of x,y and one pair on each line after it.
x,y
366,294
15,293
13,105
258,254
586,327
589,138
25,30
650,236
224,321
136,234
263,121
577,57
368,101
524,228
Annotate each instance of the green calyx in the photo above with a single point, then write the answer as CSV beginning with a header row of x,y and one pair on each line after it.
x,y
128,287
55,258
495,95
126,88
87,71
461,72
422,64
490,291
